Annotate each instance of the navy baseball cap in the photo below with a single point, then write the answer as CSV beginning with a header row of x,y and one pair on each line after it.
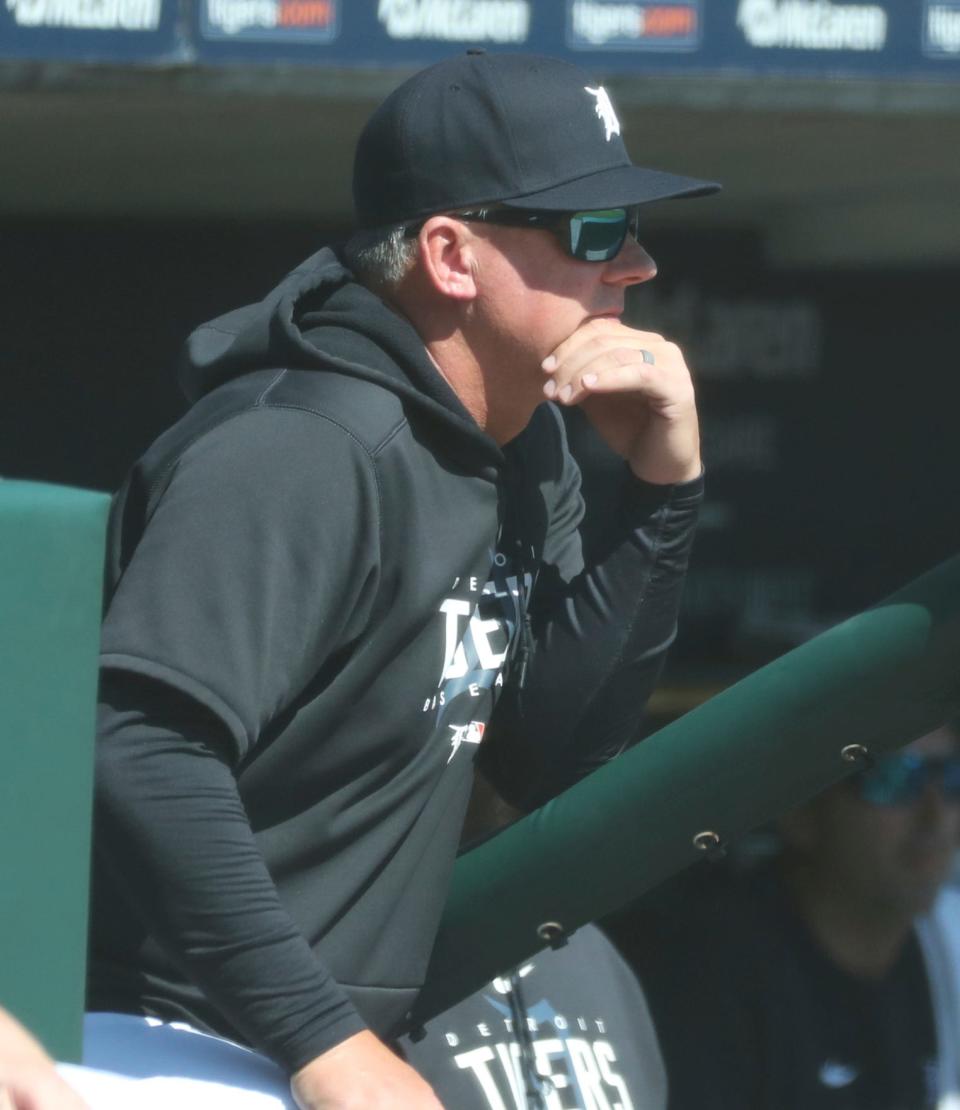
x,y
516,129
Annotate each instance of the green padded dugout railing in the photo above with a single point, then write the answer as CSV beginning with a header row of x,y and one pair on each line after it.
x,y
51,573
874,682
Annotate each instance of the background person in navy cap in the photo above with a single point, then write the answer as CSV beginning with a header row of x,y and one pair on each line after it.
x,y
357,556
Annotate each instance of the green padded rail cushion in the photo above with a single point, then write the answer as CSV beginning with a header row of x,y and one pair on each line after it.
x,y
879,680
51,574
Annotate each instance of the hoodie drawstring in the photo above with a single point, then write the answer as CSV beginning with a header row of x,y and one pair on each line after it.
x,y
523,561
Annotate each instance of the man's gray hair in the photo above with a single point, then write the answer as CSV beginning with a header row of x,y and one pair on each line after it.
x,y
382,257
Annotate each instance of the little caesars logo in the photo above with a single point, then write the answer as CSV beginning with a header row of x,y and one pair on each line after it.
x,y
456,20
87,15
812,25
942,30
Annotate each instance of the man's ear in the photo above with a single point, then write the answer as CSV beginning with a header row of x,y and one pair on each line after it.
x,y
447,257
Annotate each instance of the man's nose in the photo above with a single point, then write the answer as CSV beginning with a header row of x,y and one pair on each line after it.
x,y
631,266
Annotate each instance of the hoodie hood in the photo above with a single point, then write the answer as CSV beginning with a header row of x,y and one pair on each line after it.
x,y
319,317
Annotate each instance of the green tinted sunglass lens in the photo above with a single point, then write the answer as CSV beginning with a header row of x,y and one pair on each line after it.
x,y
893,781
598,236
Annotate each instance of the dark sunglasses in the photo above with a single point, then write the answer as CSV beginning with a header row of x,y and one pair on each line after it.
x,y
595,236
901,779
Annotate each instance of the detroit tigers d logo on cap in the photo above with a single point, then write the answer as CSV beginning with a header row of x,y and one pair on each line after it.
x,y
604,110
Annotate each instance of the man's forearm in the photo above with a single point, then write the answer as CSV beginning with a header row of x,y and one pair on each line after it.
x,y
600,646
174,832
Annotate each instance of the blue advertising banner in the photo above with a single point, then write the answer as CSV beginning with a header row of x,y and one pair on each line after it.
x,y
88,30
886,39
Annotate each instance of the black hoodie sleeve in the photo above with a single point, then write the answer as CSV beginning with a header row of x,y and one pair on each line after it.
x,y
601,633
175,835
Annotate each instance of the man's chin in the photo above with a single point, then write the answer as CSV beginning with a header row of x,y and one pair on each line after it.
x,y
923,900
921,887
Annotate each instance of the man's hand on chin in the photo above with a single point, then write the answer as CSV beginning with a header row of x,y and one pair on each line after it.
x,y
361,1073
636,390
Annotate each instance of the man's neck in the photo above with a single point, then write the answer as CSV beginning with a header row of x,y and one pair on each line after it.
x,y
496,410
484,379
865,940
459,370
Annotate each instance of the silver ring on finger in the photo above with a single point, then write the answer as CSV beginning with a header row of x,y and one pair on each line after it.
x,y
647,357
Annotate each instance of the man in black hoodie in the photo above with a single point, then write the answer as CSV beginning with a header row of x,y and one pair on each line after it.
x,y
357,556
